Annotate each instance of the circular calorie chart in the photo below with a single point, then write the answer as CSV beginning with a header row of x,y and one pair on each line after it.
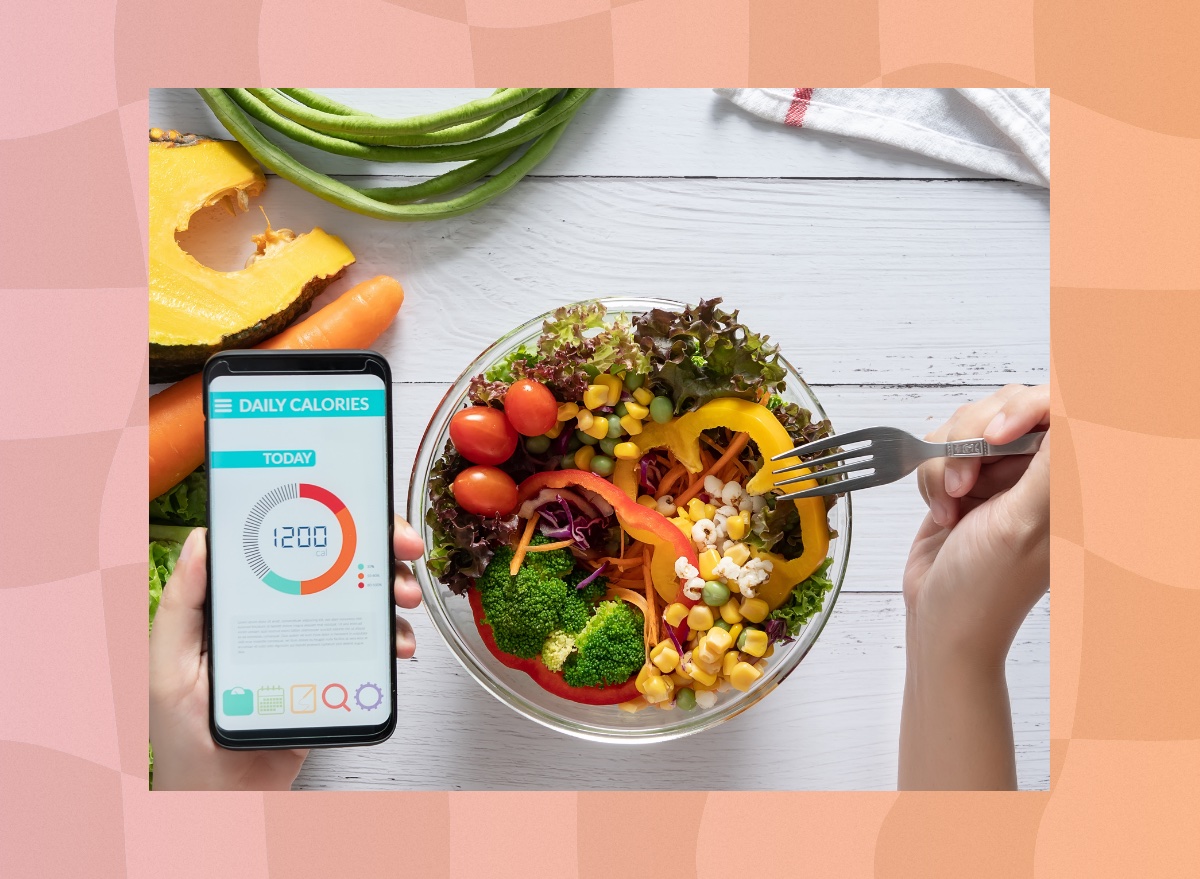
x,y
285,494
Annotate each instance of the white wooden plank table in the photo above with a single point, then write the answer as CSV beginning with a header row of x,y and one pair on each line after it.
x,y
901,287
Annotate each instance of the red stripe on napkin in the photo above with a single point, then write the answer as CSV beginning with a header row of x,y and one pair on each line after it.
x,y
799,106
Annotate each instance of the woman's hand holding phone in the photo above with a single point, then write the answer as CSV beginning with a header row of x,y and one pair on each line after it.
x,y
185,755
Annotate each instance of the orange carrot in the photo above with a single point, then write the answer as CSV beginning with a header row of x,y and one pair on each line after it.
x,y
735,446
546,547
626,595
668,481
353,320
651,607
523,546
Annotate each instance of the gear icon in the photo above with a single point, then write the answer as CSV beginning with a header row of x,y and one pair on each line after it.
x,y
372,704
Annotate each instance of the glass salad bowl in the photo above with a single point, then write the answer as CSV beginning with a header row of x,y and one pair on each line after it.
x,y
451,614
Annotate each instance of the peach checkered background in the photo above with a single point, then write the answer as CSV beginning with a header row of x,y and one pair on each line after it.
x,y
1125,716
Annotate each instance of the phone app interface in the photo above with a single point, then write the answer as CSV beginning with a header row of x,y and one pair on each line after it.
x,y
300,604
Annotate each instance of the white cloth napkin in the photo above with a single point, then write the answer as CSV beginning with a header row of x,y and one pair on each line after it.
x,y
999,132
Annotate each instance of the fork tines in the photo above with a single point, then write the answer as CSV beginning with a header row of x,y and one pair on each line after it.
x,y
863,465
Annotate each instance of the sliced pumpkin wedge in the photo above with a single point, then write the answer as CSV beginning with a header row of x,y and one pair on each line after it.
x,y
196,310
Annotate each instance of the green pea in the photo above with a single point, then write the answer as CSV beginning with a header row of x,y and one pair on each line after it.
x,y
574,443
633,381
715,593
721,624
661,409
614,428
567,462
608,446
741,642
620,410
586,438
537,445
685,699
602,465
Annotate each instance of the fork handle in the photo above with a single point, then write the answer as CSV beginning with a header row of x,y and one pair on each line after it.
x,y
981,448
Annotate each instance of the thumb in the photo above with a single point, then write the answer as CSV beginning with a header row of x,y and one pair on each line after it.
x,y
1029,499
178,631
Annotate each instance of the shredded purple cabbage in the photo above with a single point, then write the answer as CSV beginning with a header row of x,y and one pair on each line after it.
x,y
776,631
674,638
567,516
590,578
649,476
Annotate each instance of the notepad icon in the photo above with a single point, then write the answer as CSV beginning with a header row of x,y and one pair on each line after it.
x,y
270,700
304,698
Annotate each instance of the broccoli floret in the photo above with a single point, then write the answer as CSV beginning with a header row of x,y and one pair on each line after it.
x,y
609,649
524,610
556,649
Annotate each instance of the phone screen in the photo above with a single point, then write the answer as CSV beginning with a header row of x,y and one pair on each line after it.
x,y
301,605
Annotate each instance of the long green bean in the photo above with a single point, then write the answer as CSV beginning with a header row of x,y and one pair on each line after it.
x,y
318,101
440,185
230,114
333,123
523,131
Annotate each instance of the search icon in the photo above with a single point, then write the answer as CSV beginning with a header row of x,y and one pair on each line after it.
x,y
343,699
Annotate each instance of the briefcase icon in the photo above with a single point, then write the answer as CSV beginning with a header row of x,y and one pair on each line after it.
x,y
237,702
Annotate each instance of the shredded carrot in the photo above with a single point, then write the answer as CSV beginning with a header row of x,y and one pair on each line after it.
x,y
619,563
651,607
668,481
622,541
523,545
735,447
626,583
546,547
626,595
713,443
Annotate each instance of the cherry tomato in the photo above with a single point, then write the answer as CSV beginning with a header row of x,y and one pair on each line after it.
x,y
485,491
483,435
530,407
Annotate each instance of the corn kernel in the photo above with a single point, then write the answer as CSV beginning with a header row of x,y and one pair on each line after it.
x,y
754,609
718,640
706,699
706,655
628,452
734,587
634,705
594,396
659,689
739,553
675,613
695,509
647,671
664,656
681,678
637,410
612,386
646,501
728,663
730,612
700,617
770,651
700,676
633,426
709,559
735,630
567,411
710,511
755,643
583,457
584,419
735,527
761,665
683,525
744,515
643,396
599,428
743,675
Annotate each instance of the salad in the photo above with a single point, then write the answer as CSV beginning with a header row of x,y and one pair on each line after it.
x,y
606,505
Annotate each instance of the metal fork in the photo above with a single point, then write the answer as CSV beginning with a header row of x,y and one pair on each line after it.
x,y
887,454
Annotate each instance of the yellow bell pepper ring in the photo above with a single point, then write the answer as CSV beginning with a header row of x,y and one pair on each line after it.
x,y
682,436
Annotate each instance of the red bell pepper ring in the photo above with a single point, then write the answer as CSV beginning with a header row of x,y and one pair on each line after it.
x,y
642,523
551,681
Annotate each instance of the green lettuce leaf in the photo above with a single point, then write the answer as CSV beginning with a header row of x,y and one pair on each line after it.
x,y
703,353
805,601
185,504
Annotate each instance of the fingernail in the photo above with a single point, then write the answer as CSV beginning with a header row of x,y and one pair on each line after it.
x,y
953,481
994,427
406,531
941,512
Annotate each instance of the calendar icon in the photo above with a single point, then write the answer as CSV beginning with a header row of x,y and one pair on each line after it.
x,y
270,700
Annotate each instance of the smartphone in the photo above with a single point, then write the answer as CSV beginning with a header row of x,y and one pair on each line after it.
x,y
300,613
